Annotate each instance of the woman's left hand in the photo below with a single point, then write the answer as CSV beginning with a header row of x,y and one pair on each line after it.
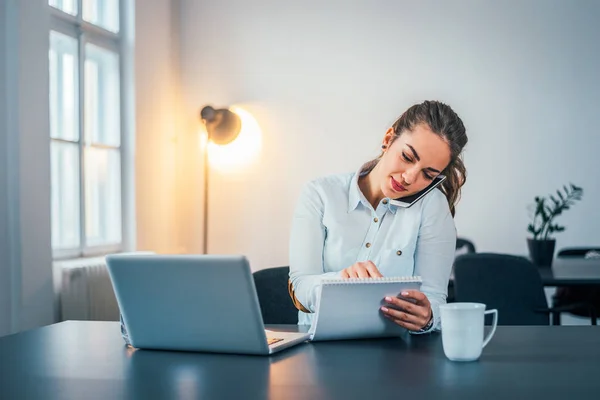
x,y
413,316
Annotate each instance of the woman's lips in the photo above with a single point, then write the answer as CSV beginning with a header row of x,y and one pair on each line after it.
x,y
397,186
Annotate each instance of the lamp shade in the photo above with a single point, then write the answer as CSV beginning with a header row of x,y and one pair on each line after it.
x,y
222,125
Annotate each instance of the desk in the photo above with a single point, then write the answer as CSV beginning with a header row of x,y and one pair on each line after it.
x,y
571,271
88,360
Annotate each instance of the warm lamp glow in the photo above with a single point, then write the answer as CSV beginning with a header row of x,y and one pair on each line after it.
x,y
232,138
242,151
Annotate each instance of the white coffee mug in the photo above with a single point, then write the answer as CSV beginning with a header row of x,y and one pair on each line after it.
x,y
462,330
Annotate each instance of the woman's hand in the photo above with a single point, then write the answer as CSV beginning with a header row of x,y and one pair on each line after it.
x,y
413,316
362,269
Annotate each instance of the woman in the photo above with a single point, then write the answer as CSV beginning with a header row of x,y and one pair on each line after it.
x,y
344,226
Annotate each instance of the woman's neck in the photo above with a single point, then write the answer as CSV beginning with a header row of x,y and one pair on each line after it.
x,y
371,187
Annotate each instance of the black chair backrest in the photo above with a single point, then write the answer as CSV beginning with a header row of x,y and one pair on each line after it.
x,y
276,305
577,251
465,245
510,284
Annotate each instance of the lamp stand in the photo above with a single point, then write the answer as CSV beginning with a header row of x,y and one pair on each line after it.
x,y
222,126
206,175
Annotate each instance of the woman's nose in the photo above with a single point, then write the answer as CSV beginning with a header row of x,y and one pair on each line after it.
x,y
409,176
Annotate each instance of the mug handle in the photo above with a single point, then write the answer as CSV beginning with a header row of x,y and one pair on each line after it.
x,y
494,324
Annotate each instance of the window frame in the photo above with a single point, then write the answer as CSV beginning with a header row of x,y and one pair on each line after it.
x,y
85,32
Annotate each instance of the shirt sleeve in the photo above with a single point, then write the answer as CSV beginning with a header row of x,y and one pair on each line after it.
x,y
434,254
307,239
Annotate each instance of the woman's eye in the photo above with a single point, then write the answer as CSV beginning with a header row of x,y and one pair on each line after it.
x,y
427,176
405,157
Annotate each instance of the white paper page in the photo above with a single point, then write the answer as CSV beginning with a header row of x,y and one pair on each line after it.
x,y
352,310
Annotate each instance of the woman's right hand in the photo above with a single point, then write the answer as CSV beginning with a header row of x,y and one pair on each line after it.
x,y
361,269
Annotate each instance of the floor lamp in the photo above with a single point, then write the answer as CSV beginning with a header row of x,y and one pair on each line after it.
x,y
222,127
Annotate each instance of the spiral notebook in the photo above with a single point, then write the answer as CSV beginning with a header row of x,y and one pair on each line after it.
x,y
350,308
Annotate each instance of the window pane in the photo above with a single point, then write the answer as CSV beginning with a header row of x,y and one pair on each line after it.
x,y
68,6
102,196
65,195
102,97
104,13
64,91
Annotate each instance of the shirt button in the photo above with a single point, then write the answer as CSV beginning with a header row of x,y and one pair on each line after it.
x,y
384,201
375,220
399,252
368,245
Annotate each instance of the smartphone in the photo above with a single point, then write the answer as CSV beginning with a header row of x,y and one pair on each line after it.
x,y
408,201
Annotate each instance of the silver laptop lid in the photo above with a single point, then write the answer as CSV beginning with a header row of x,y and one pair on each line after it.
x,y
189,302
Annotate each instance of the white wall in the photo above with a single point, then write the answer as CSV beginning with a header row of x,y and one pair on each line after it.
x,y
34,159
25,185
5,286
325,79
159,136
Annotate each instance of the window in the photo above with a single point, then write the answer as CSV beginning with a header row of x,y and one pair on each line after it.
x,y
86,127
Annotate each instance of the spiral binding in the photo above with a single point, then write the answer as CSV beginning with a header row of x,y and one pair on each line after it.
x,y
388,279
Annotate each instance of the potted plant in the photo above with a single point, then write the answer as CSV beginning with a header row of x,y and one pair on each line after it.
x,y
541,246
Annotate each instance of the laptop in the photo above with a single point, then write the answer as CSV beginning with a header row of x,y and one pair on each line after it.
x,y
202,303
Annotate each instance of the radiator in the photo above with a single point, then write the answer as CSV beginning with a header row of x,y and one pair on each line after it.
x,y
85,291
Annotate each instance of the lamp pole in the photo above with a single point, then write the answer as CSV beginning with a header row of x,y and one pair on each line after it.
x,y
206,175
223,127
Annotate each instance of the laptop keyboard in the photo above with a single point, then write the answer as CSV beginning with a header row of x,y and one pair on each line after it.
x,y
273,340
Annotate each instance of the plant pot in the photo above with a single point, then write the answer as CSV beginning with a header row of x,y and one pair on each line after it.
x,y
541,252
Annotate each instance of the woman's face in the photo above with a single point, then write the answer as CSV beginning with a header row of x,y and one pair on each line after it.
x,y
412,161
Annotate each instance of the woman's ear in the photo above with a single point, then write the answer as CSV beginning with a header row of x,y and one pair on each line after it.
x,y
388,138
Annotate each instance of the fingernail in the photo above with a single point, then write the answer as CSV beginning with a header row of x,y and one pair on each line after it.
x,y
384,309
404,293
388,299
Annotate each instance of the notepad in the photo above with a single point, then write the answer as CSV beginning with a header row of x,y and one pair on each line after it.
x,y
350,308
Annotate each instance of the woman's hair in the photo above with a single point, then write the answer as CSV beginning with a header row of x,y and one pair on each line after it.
x,y
443,121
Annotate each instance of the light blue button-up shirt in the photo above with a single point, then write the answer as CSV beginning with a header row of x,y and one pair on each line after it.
x,y
334,226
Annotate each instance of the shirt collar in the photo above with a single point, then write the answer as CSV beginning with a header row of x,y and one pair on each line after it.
x,y
356,196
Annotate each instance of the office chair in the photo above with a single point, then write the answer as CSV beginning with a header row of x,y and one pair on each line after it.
x,y
508,283
583,252
272,290
463,246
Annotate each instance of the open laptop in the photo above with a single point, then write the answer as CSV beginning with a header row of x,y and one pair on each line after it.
x,y
193,303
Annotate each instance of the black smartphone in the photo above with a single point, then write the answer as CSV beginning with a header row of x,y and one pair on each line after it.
x,y
413,198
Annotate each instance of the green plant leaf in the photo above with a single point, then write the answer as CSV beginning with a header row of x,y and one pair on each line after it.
x,y
542,210
561,201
